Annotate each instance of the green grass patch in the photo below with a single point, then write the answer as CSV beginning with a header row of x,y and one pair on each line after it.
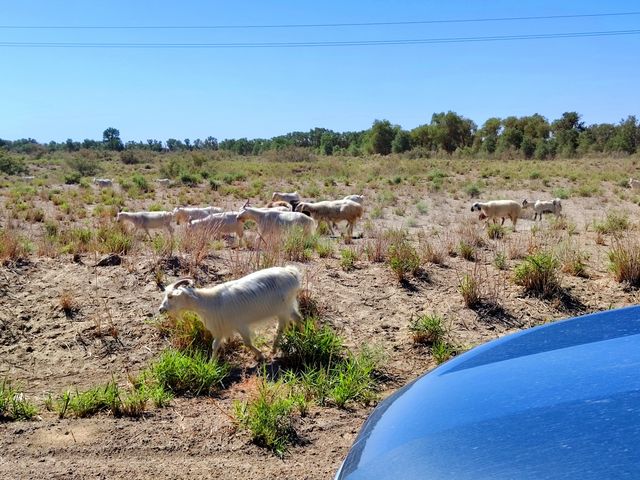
x,y
189,373
13,403
538,274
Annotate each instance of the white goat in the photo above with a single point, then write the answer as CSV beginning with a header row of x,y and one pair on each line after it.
x,y
333,211
237,305
274,222
165,182
27,178
147,220
547,206
634,184
187,214
499,208
292,198
280,205
355,198
219,223
103,182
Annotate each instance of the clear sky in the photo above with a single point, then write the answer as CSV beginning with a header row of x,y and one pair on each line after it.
x,y
60,93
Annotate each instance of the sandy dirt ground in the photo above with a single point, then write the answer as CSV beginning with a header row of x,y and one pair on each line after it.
x,y
112,334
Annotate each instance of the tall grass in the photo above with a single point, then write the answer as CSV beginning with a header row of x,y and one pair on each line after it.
x,y
13,403
538,274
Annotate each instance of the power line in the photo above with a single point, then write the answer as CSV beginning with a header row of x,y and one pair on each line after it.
x,y
309,25
346,43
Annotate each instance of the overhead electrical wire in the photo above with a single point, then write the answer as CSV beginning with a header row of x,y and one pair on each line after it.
x,y
346,43
311,25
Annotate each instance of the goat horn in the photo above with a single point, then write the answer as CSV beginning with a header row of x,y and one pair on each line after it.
x,y
246,204
183,281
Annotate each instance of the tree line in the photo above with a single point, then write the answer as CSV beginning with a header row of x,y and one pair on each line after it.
x,y
448,133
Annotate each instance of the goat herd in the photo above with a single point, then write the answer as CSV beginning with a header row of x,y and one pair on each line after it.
x,y
236,305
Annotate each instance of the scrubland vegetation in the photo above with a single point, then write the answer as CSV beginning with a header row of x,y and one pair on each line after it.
x,y
423,280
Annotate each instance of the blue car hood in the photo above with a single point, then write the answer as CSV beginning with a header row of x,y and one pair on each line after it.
x,y
560,401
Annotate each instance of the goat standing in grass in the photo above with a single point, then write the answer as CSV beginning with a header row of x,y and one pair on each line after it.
x,y
238,305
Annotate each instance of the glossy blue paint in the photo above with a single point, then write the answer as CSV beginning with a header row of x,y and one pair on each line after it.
x,y
560,401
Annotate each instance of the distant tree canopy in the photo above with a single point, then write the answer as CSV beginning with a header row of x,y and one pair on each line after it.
x,y
447,133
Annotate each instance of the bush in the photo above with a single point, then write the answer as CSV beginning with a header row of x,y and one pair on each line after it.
x,y
298,247
538,274
624,260
141,182
403,258
470,290
614,223
11,165
13,404
187,333
84,166
129,157
189,373
311,345
268,416
427,329
495,231
348,259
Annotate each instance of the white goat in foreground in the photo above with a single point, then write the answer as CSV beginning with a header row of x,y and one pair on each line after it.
x,y
218,224
274,222
498,209
334,211
103,182
147,220
547,206
237,305
186,214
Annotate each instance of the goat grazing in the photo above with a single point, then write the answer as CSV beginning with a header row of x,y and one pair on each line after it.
x,y
103,182
219,224
334,211
499,208
292,198
273,222
548,206
187,214
147,220
237,305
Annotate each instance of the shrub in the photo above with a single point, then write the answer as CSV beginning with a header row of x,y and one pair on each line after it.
x,y
614,223
84,166
466,251
442,351
129,157
298,247
141,182
72,178
13,247
624,260
13,403
311,345
187,333
11,165
112,238
500,261
325,249
470,290
403,258
495,231
189,373
427,328
348,257
268,415
538,274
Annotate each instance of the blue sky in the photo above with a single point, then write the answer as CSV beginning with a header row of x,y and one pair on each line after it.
x,y
55,94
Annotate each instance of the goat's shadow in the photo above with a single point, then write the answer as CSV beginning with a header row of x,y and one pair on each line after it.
x,y
493,312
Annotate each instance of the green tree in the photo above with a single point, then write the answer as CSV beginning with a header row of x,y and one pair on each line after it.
x,y
566,132
401,142
111,139
452,131
381,135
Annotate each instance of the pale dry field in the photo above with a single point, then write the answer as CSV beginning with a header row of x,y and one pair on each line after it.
x,y
110,332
